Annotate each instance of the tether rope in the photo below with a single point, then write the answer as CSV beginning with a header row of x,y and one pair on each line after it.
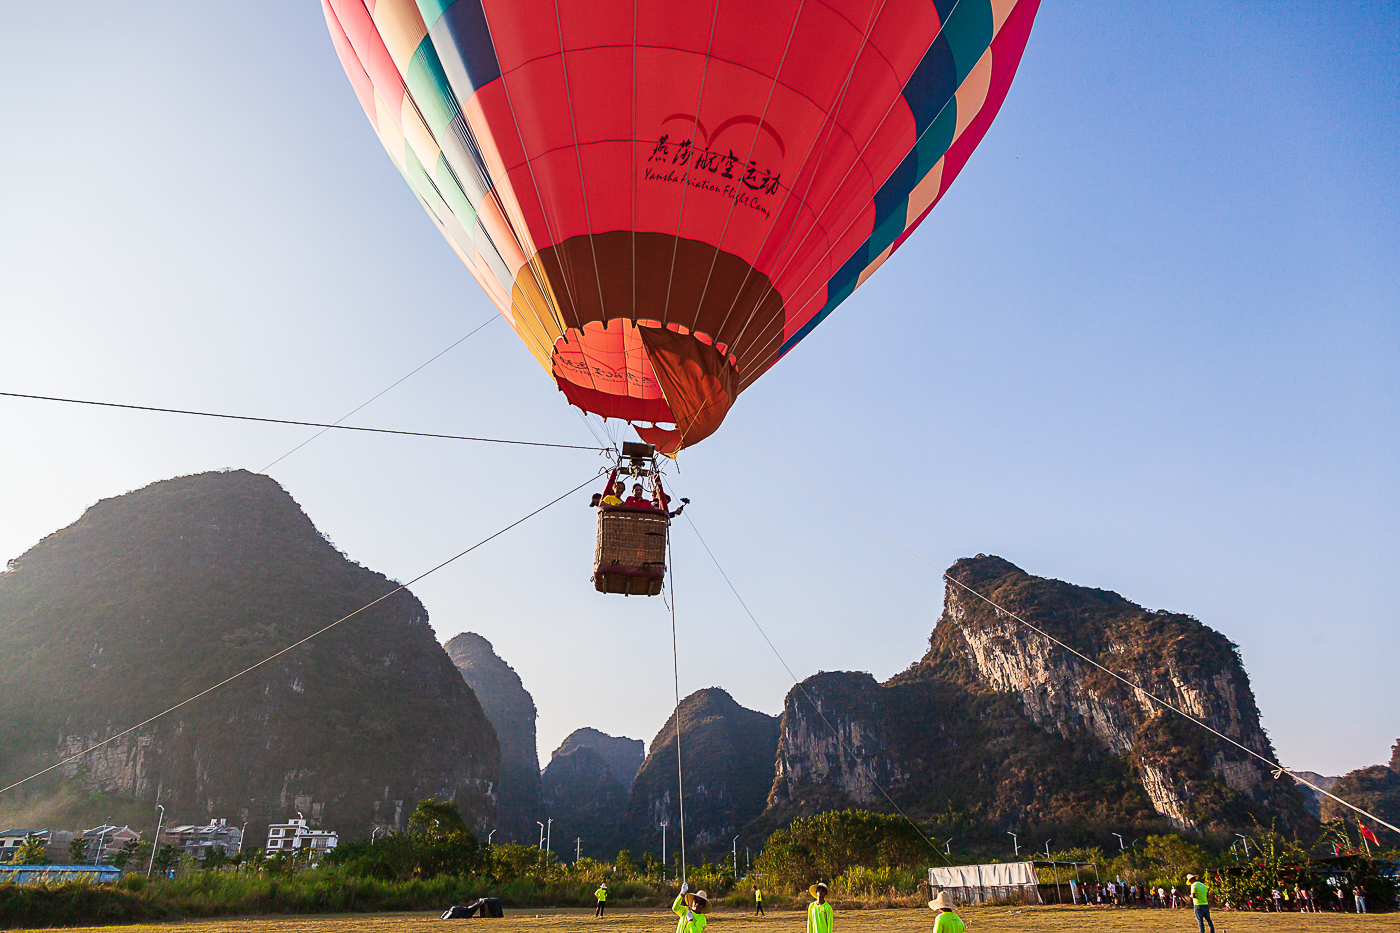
x,y
1277,769
676,670
304,424
798,683
272,657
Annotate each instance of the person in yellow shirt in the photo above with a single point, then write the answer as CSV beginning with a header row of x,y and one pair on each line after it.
x,y
691,909
758,902
945,918
602,895
1200,900
819,917
614,497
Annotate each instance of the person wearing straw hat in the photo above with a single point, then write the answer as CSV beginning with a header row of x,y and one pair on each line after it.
x,y
691,909
819,916
945,918
602,895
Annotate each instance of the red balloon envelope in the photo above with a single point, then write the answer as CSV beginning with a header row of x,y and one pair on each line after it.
x,y
664,198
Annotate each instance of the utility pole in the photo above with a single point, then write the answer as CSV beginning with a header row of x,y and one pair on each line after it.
x,y
664,824
155,840
241,833
1015,843
736,858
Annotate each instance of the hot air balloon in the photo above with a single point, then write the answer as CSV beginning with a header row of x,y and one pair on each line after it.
x,y
663,199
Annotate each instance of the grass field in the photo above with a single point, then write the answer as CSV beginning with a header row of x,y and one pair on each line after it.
x,y
651,920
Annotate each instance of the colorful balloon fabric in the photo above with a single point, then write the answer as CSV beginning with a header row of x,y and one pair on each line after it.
x,y
664,198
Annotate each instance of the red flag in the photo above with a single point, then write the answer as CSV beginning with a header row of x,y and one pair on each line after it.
x,y
1367,834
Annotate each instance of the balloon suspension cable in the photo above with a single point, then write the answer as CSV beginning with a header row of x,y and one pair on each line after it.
x,y
1275,768
337,426
297,644
676,671
860,765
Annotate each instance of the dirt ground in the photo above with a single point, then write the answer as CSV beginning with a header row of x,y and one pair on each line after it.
x,y
652,920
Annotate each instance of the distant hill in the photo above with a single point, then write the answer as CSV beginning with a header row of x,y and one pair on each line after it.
x,y
585,789
727,756
1312,798
585,800
998,728
511,709
623,755
152,596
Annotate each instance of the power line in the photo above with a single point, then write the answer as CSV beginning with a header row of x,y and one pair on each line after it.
x,y
1277,769
304,424
219,498
272,657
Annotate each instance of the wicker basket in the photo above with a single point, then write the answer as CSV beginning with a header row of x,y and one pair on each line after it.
x,y
631,554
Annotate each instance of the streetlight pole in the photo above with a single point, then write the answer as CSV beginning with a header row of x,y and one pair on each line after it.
x,y
1015,843
241,833
489,835
578,847
948,846
736,858
664,824
548,845
155,840
1047,849
541,844
1120,841
1246,843
101,836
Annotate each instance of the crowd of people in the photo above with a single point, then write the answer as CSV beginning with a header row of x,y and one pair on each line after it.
x,y
692,907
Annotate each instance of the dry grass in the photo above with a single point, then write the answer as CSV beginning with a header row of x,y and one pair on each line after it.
x,y
651,920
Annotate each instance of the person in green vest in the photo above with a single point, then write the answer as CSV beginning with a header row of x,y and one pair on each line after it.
x,y
758,902
602,895
1200,899
945,918
691,909
819,917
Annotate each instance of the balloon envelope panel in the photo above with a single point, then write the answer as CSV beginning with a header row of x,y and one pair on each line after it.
x,y
663,199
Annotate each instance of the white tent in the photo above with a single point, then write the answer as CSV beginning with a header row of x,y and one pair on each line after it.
x,y
977,884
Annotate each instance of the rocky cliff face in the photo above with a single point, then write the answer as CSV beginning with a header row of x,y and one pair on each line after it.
x,y
155,595
623,755
727,752
998,722
511,709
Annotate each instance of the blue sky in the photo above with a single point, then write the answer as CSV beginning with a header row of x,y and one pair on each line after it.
x,y
1147,343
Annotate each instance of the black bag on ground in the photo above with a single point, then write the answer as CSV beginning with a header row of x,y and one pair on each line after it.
x,y
481,907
